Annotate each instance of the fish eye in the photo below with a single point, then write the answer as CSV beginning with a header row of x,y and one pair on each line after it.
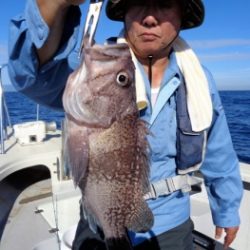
x,y
122,79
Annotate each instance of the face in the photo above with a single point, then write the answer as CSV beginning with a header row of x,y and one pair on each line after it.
x,y
151,26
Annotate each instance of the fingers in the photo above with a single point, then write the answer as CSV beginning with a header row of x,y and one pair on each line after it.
x,y
231,233
75,2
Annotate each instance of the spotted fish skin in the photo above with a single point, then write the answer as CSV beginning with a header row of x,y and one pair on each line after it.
x,y
106,143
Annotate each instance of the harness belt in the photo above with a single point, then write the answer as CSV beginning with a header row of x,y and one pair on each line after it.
x,y
172,184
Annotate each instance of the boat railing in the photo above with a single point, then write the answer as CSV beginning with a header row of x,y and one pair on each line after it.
x,y
4,114
65,172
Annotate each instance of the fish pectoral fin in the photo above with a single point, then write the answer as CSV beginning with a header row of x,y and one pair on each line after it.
x,y
142,219
77,151
78,167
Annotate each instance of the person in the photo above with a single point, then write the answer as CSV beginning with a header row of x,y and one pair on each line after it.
x,y
44,44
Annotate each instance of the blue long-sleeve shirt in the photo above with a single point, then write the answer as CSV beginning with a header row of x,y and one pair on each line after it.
x,y
45,85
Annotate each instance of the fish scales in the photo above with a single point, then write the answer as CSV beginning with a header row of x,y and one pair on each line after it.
x,y
106,144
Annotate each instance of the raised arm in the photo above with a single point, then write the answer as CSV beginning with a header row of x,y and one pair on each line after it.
x,y
43,49
54,14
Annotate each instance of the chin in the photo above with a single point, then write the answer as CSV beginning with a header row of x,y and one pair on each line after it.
x,y
149,48
146,53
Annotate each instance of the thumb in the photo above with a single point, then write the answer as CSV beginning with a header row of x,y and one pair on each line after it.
x,y
218,232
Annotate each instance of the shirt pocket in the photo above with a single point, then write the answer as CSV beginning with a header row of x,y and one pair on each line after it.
x,y
163,139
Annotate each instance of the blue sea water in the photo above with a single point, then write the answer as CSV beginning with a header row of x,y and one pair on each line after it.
x,y
237,108
236,105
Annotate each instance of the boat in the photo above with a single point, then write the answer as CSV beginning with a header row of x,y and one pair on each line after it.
x,y
39,203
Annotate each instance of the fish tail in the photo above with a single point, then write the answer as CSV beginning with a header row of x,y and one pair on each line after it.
x,y
119,243
142,218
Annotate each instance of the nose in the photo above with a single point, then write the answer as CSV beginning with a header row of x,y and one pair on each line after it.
x,y
150,16
149,21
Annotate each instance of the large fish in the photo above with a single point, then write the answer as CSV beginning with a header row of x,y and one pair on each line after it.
x,y
106,143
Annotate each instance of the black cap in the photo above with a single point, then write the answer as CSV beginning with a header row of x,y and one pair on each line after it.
x,y
193,14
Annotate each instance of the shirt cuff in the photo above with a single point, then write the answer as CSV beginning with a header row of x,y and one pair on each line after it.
x,y
226,220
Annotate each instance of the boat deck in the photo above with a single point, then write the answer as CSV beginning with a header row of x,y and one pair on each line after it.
x,y
36,206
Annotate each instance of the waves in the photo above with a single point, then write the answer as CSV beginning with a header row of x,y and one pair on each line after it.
x,y
237,108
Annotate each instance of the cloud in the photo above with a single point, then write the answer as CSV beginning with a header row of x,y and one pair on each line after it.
x,y
232,83
244,70
222,49
218,43
235,73
234,79
230,56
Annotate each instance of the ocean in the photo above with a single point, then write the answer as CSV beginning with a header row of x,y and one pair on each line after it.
x,y
236,105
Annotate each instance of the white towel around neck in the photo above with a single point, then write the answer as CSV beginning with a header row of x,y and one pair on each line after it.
x,y
199,101
198,95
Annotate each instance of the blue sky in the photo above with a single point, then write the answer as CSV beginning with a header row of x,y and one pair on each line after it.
x,y
222,42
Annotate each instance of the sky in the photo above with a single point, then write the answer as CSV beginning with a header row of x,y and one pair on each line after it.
x,y
222,43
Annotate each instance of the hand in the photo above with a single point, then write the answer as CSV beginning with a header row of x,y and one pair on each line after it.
x,y
74,2
230,235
